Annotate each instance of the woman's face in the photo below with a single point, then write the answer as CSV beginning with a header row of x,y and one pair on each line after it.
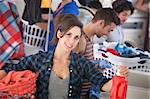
x,y
70,39
124,15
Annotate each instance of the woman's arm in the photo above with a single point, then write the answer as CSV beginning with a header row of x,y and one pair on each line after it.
x,y
32,63
107,86
91,73
97,78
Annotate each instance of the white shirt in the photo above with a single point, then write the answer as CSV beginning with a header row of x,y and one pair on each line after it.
x,y
116,36
99,40
133,1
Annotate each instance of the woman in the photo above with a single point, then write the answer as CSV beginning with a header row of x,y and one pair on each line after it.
x,y
64,7
61,72
124,9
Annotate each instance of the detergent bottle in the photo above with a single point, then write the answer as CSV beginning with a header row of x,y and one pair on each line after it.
x,y
119,87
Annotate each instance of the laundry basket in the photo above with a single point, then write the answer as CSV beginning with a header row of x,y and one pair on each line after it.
x,y
137,63
33,35
5,95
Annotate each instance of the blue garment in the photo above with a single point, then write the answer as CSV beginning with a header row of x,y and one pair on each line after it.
x,y
124,50
79,68
95,92
51,35
69,8
102,63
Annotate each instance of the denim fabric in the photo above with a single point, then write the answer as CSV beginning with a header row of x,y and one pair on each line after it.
x,y
102,63
95,92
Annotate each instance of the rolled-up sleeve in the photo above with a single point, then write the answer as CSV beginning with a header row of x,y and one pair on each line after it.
x,y
30,63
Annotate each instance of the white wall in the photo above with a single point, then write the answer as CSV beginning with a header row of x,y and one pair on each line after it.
x,y
20,6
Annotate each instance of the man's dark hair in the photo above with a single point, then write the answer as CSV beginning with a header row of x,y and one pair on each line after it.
x,y
106,14
94,4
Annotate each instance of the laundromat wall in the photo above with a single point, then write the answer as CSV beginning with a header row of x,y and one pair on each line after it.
x,y
135,29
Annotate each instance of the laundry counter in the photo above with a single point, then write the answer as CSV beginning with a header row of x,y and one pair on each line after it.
x,y
139,85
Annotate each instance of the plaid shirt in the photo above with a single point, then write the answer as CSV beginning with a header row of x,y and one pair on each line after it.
x,y
11,44
79,67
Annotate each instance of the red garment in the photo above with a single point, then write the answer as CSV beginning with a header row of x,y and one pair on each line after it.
x,y
119,88
113,51
19,83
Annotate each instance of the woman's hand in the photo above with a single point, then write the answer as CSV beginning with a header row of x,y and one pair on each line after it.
x,y
2,74
123,71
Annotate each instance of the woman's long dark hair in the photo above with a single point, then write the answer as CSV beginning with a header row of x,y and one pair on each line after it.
x,y
64,23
